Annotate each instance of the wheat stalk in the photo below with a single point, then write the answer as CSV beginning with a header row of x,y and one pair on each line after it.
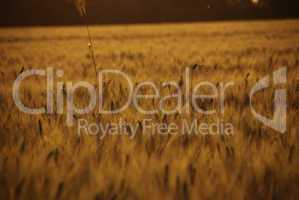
x,y
81,7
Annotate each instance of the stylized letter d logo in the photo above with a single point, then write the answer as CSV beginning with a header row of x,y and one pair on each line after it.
x,y
279,121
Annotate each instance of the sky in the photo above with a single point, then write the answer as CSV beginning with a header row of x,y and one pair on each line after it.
x,y
62,12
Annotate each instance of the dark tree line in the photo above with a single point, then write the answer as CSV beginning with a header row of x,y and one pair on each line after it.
x,y
53,12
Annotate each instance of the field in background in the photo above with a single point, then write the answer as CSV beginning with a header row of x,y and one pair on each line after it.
x,y
42,158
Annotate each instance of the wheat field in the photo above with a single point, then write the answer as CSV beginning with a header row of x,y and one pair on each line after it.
x,y
42,158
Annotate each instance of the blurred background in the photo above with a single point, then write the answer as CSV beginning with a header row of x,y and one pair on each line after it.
x,y
62,12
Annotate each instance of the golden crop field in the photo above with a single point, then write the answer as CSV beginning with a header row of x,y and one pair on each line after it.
x,y
43,158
